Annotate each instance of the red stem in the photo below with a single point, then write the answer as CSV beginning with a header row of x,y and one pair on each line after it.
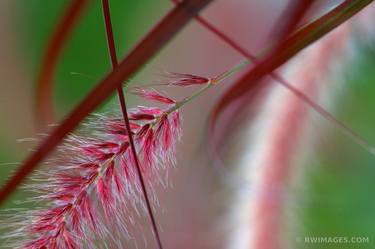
x,y
287,49
174,21
113,57
301,95
44,105
294,13
152,43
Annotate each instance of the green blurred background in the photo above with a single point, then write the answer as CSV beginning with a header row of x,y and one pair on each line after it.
x,y
83,63
336,198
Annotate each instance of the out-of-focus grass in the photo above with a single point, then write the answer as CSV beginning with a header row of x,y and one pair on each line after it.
x,y
86,51
338,197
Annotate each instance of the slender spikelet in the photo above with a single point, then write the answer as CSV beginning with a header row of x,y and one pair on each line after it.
x,y
151,95
83,197
91,181
183,79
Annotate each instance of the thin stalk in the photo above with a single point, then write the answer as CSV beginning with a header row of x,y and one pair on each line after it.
x,y
152,43
294,12
148,47
212,82
113,57
343,128
233,70
347,131
292,45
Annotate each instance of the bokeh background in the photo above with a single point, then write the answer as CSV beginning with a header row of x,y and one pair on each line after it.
x,y
335,197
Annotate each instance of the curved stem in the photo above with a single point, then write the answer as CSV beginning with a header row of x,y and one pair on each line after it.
x,y
44,105
113,57
346,130
288,48
152,43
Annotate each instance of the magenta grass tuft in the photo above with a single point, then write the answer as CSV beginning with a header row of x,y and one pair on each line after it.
x,y
92,178
183,79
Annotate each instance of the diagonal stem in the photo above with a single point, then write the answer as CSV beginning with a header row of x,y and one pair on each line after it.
x,y
148,47
346,130
152,43
114,61
291,18
289,48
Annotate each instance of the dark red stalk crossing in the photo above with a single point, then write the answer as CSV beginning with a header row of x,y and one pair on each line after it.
x,y
287,49
294,13
152,43
44,105
300,10
113,57
306,99
173,22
